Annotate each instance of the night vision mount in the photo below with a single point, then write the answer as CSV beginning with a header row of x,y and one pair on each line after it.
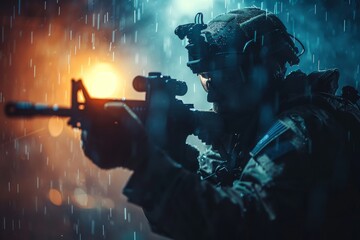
x,y
200,45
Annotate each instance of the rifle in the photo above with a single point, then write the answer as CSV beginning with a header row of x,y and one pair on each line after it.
x,y
160,98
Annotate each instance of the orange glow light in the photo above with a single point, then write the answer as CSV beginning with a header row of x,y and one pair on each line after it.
x,y
102,81
55,197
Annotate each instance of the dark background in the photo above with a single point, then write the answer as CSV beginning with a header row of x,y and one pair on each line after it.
x,y
48,189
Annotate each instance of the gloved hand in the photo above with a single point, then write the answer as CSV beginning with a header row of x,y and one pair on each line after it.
x,y
121,142
124,141
169,129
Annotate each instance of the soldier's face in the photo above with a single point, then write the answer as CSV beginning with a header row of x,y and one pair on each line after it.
x,y
234,91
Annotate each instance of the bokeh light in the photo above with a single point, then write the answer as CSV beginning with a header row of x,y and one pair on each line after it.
x,y
55,126
81,197
55,197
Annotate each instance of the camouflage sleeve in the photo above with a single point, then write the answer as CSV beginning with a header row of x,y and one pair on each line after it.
x,y
270,196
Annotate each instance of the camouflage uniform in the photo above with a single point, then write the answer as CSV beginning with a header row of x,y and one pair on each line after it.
x,y
299,181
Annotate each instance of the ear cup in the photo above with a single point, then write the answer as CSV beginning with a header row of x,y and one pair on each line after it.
x,y
270,38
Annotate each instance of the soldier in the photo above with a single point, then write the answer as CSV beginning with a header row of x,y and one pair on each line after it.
x,y
285,168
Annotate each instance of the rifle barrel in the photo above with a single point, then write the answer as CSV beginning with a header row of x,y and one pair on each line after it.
x,y
28,110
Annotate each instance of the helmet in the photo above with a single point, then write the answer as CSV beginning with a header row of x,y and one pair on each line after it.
x,y
230,38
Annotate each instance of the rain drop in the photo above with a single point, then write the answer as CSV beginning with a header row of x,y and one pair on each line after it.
x,y
98,22
2,34
92,227
49,33
19,7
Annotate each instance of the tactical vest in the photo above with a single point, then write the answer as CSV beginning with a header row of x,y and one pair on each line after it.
x,y
317,89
